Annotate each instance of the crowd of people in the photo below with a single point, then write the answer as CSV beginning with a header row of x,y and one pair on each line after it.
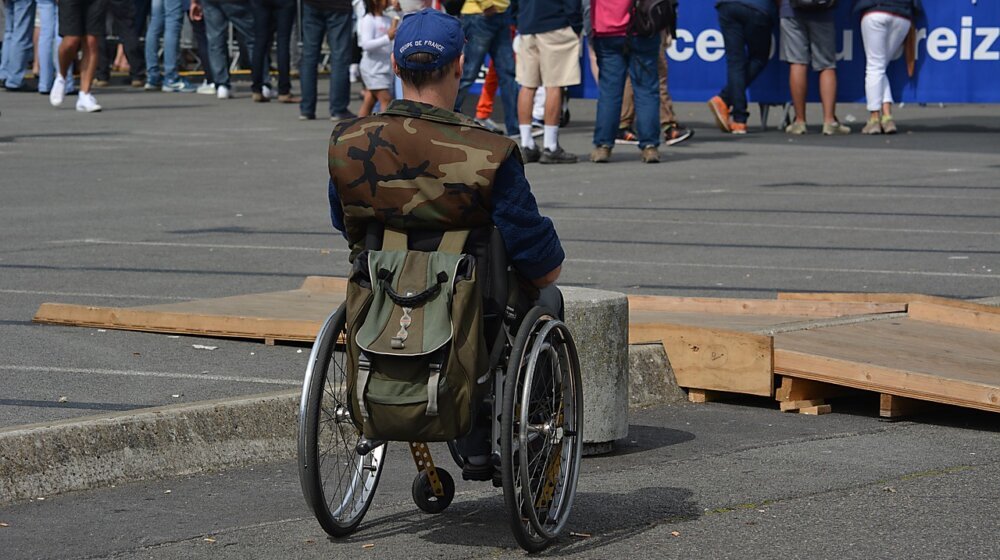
x,y
534,48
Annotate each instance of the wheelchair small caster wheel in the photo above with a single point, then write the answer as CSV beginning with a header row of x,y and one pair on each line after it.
x,y
423,492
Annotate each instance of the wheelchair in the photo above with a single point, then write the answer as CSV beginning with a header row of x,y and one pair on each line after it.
x,y
535,401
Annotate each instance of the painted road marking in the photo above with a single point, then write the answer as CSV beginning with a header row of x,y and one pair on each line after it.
x,y
97,241
775,226
160,374
81,294
786,268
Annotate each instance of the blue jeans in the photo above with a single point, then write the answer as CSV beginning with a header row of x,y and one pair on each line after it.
x,y
165,19
747,35
337,28
48,47
490,34
636,57
216,16
19,25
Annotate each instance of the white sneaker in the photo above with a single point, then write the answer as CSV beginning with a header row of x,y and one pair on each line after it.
x,y
222,92
267,92
58,91
206,88
86,103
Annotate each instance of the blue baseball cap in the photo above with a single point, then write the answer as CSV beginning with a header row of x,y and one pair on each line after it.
x,y
428,31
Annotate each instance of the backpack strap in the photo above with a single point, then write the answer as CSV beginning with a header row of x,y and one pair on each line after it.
x,y
453,241
394,240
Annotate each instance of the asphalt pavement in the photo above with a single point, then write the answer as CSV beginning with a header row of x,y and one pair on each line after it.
x,y
168,197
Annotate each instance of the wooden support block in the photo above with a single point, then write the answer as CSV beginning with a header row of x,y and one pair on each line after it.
x,y
816,410
792,406
702,396
269,341
893,406
796,389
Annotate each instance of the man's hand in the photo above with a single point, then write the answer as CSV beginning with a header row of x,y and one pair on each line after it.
x,y
490,12
549,278
195,12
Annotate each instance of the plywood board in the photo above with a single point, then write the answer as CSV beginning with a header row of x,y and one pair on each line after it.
x,y
714,359
972,316
294,315
934,366
805,309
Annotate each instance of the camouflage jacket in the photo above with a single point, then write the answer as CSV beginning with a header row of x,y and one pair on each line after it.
x,y
415,166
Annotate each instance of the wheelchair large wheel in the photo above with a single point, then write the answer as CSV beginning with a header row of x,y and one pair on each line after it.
x,y
541,429
337,482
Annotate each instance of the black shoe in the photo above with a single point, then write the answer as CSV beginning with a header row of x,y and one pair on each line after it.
x,y
477,472
343,116
676,134
558,155
530,155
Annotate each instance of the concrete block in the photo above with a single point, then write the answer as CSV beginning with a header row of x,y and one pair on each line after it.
x,y
599,322
651,379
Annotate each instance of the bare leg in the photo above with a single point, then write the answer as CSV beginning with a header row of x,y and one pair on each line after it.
x,y
384,97
553,105
525,102
88,67
67,53
887,108
367,104
798,85
828,94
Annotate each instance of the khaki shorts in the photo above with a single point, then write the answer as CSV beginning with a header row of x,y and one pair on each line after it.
x,y
550,59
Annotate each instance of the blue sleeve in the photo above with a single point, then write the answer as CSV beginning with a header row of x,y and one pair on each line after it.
x,y
336,210
531,239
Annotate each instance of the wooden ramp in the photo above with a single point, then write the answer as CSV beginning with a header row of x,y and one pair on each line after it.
x,y
800,349
294,315
803,349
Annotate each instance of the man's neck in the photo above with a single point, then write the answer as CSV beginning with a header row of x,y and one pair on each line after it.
x,y
430,96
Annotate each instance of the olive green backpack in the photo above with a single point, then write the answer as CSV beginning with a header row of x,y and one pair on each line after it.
x,y
416,345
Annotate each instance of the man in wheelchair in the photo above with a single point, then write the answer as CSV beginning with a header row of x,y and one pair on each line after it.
x,y
402,178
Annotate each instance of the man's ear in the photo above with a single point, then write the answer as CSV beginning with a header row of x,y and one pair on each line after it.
x,y
460,66
392,61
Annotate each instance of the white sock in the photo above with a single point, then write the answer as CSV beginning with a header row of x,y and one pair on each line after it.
x,y
527,140
551,137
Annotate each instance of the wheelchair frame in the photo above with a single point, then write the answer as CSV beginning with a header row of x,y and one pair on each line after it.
x,y
537,404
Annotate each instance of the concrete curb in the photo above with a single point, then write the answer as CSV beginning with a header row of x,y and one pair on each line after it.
x,y
78,454
98,451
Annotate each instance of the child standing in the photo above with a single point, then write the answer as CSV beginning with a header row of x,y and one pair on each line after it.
x,y
375,34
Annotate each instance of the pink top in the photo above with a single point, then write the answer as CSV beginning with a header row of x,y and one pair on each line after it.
x,y
610,18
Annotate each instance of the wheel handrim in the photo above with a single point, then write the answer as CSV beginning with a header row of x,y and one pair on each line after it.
x,y
547,476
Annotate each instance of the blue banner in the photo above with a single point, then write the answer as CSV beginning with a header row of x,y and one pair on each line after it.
x,y
958,57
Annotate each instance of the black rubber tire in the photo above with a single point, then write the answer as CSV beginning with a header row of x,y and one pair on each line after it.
x,y
319,392
423,493
525,535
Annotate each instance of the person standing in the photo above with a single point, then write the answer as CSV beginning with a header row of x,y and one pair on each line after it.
x,y
809,37
620,53
272,17
218,14
673,132
123,18
376,30
19,26
486,24
746,30
548,56
332,19
884,26
80,22
48,47
165,20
